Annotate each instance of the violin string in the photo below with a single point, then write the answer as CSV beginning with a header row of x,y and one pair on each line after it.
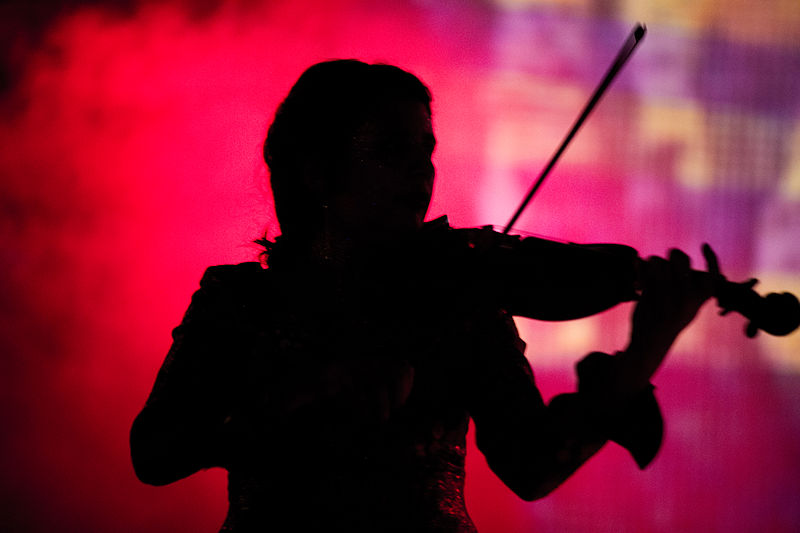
x,y
525,233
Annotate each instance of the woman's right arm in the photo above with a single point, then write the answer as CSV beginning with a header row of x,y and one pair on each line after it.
x,y
213,403
183,426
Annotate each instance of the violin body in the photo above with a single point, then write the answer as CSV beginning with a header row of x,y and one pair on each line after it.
x,y
548,280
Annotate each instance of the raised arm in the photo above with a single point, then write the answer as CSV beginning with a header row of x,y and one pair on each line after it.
x,y
530,446
534,448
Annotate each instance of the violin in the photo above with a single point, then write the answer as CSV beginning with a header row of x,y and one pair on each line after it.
x,y
566,281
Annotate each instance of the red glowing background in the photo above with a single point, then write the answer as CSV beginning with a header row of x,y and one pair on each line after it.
x,y
131,138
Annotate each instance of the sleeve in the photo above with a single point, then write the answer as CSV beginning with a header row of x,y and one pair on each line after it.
x,y
182,427
531,446
199,363
636,424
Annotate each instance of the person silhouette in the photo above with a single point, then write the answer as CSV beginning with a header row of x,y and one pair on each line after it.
x,y
336,385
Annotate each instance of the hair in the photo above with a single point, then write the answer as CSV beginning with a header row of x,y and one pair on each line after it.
x,y
308,142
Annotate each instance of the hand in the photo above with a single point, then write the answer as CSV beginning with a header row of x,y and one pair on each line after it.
x,y
672,294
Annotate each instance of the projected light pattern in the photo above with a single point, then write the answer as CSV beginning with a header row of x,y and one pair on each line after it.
x,y
131,161
701,147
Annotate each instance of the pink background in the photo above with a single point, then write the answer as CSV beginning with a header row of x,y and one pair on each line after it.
x,y
130,161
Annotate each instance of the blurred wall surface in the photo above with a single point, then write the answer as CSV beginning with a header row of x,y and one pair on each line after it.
x,y
129,161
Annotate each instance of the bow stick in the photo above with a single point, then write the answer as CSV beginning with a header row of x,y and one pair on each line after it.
x,y
622,57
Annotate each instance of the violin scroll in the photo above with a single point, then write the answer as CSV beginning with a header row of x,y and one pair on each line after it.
x,y
776,313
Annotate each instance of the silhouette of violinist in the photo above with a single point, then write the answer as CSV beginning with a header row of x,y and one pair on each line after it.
x,y
336,385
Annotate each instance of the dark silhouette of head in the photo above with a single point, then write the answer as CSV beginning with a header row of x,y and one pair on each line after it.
x,y
311,141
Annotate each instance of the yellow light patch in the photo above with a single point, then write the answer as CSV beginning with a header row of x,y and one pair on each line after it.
x,y
682,125
790,186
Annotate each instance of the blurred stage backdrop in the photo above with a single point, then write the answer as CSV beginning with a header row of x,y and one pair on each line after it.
x,y
129,153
